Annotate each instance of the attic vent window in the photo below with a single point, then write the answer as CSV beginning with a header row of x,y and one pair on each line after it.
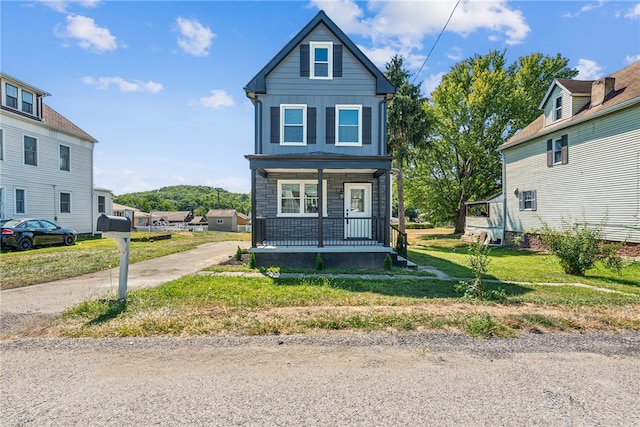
x,y
557,108
322,60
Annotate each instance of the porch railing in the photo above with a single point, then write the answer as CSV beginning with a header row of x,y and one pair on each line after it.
x,y
335,231
399,241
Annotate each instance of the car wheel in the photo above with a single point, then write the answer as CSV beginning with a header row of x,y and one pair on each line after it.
x,y
25,244
69,240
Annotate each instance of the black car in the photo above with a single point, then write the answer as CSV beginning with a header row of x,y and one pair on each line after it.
x,y
23,234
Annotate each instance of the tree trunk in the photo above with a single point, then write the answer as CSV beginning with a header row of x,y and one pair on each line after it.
x,y
461,213
400,185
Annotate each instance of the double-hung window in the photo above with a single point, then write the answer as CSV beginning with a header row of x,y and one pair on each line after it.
x,y
11,96
30,151
528,200
557,108
27,102
65,202
321,60
293,124
102,204
65,158
349,125
557,151
300,198
21,201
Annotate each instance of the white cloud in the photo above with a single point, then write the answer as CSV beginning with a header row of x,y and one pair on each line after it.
x,y
588,70
219,98
634,12
400,27
62,6
631,59
87,34
195,38
123,85
431,82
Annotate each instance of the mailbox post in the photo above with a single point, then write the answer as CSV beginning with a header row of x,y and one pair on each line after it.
x,y
119,229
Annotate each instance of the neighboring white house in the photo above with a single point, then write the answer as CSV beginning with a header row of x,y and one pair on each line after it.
x,y
580,160
46,161
103,201
484,220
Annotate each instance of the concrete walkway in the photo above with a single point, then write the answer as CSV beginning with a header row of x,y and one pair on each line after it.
x,y
55,297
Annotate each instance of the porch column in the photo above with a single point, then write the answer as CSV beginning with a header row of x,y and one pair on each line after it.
x,y
254,243
387,208
320,209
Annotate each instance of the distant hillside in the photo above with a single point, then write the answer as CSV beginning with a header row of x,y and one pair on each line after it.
x,y
198,198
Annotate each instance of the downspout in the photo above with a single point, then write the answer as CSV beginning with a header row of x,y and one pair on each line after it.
x,y
258,125
382,126
55,210
504,198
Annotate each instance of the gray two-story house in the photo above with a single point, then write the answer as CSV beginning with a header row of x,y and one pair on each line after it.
x,y
320,173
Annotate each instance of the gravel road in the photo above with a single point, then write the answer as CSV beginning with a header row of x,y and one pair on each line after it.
x,y
379,379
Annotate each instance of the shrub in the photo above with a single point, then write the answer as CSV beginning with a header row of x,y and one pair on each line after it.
x,y
388,263
252,260
578,247
478,260
400,247
239,254
319,263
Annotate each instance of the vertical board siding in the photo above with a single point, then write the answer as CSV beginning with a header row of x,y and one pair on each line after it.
x,y
600,181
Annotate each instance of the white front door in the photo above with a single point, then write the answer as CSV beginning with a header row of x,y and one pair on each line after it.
x,y
357,211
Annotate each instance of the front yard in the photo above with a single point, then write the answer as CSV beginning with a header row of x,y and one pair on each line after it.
x,y
213,304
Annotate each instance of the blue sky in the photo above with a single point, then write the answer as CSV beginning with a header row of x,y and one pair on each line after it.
x,y
159,83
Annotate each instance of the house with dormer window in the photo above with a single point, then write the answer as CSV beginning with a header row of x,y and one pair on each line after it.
x,y
46,161
580,160
320,173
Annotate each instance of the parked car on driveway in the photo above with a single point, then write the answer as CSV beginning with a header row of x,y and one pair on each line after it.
x,y
23,234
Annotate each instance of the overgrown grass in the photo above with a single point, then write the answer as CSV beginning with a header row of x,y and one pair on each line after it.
x,y
214,305
87,256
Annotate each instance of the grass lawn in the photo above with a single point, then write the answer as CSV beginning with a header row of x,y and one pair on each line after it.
x,y
215,305
91,255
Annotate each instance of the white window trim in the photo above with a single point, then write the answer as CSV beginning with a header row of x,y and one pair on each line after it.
x,y
301,182
24,159
19,100
283,107
2,144
60,202
60,159
337,131
5,94
98,204
312,62
557,109
531,200
22,103
15,201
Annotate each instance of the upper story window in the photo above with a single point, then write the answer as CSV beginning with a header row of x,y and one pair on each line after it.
x,y
558,151
11,97
321,60
293,124
348,124
27,102
65,158
102,204
30,151
557,108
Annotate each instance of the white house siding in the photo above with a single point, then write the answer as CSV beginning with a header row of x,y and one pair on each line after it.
x,y
601,179
44,183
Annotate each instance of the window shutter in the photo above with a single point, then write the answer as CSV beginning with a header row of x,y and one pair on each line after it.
x,y
549,152
311,125
304,60
275,125
565,149
534,200
366,125
521,200
331,125
337,60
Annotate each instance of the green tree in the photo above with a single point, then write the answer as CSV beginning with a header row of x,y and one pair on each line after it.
x,y
406,125
479,104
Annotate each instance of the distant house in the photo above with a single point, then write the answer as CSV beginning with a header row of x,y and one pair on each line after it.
x,y
140,219
320,173
103,201
179,218
484,220
580,160
46,161
198,220
223,220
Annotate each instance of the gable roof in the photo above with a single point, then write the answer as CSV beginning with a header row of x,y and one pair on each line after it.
x,y
258,83
626,93
224,213
574,87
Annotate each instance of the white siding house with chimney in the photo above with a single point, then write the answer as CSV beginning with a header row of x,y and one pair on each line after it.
x,y
579,162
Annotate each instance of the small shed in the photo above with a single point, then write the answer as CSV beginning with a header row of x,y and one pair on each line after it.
x,y
223,220
484,219
177,218
198,220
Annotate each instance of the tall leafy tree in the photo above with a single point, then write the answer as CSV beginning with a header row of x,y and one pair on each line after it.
x,y
406,125
478,105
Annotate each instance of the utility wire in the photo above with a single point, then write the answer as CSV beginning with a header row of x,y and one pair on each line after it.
x,y
436,42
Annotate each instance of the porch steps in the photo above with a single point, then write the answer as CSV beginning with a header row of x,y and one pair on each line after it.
x,y
402,262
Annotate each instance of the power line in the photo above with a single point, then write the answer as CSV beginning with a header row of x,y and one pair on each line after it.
x,y
436,42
